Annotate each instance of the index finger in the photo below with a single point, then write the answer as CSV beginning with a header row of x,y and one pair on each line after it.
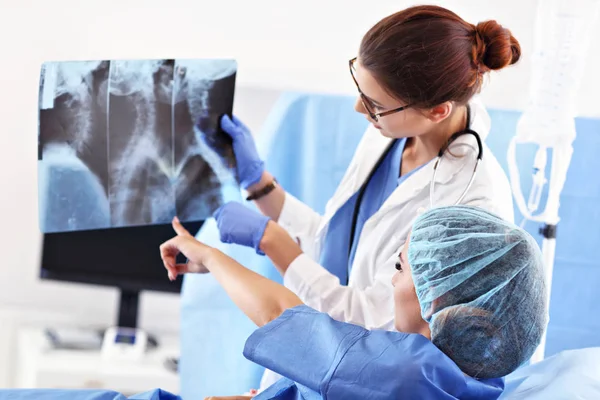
x,y
178,228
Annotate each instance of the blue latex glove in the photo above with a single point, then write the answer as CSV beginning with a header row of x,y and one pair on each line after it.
x,y
250,167
240,225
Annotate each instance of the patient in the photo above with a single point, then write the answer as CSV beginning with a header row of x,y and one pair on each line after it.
x,y
470,307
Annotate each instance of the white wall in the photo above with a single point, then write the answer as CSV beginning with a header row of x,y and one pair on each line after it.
x,y
305,47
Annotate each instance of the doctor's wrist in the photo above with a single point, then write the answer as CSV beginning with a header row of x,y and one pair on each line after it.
x,y
265,179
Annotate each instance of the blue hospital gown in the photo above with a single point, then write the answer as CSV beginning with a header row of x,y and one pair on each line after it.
x,y
322,358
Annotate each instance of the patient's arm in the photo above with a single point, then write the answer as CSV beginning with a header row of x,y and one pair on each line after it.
x,y
261,299
229,398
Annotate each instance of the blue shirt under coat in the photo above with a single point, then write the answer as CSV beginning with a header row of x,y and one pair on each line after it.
x,y
335,255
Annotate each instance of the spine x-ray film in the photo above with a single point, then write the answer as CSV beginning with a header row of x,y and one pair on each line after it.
x,y
133,142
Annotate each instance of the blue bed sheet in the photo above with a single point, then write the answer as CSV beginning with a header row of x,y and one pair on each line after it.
x,y
570,374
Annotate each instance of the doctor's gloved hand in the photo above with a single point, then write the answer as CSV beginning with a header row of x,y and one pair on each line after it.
x,y
240,225
196,252
250,167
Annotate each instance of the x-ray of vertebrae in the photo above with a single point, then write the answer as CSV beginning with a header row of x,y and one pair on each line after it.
x,y
133,142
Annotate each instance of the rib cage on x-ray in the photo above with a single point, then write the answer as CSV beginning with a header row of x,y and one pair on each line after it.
x,y
133,142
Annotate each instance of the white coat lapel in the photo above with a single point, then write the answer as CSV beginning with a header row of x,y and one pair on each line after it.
x,y
371,148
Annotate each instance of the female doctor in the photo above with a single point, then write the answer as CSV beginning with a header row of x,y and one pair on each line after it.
x,y
416,72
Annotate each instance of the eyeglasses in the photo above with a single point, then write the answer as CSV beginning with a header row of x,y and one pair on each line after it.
x,y
369,106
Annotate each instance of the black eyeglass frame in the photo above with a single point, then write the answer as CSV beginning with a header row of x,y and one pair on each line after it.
x,y
367,103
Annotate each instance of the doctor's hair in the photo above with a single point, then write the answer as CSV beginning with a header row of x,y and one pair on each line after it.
x,y
428,55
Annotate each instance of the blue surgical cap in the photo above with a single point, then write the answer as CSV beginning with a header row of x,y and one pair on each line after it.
x,y
481,287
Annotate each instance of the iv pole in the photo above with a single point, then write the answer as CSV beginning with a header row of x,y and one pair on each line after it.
x,y
562,39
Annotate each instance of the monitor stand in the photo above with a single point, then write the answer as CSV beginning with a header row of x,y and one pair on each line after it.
x,y
128,308
128,313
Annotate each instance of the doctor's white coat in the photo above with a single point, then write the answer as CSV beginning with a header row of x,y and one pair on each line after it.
x,y
367,300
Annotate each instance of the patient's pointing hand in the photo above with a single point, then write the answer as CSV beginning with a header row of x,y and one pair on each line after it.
x,y
196,252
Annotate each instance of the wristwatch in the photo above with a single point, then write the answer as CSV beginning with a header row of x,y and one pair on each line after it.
x,y
264,191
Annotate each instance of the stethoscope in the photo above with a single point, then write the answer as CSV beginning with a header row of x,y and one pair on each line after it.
x,y
438,161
